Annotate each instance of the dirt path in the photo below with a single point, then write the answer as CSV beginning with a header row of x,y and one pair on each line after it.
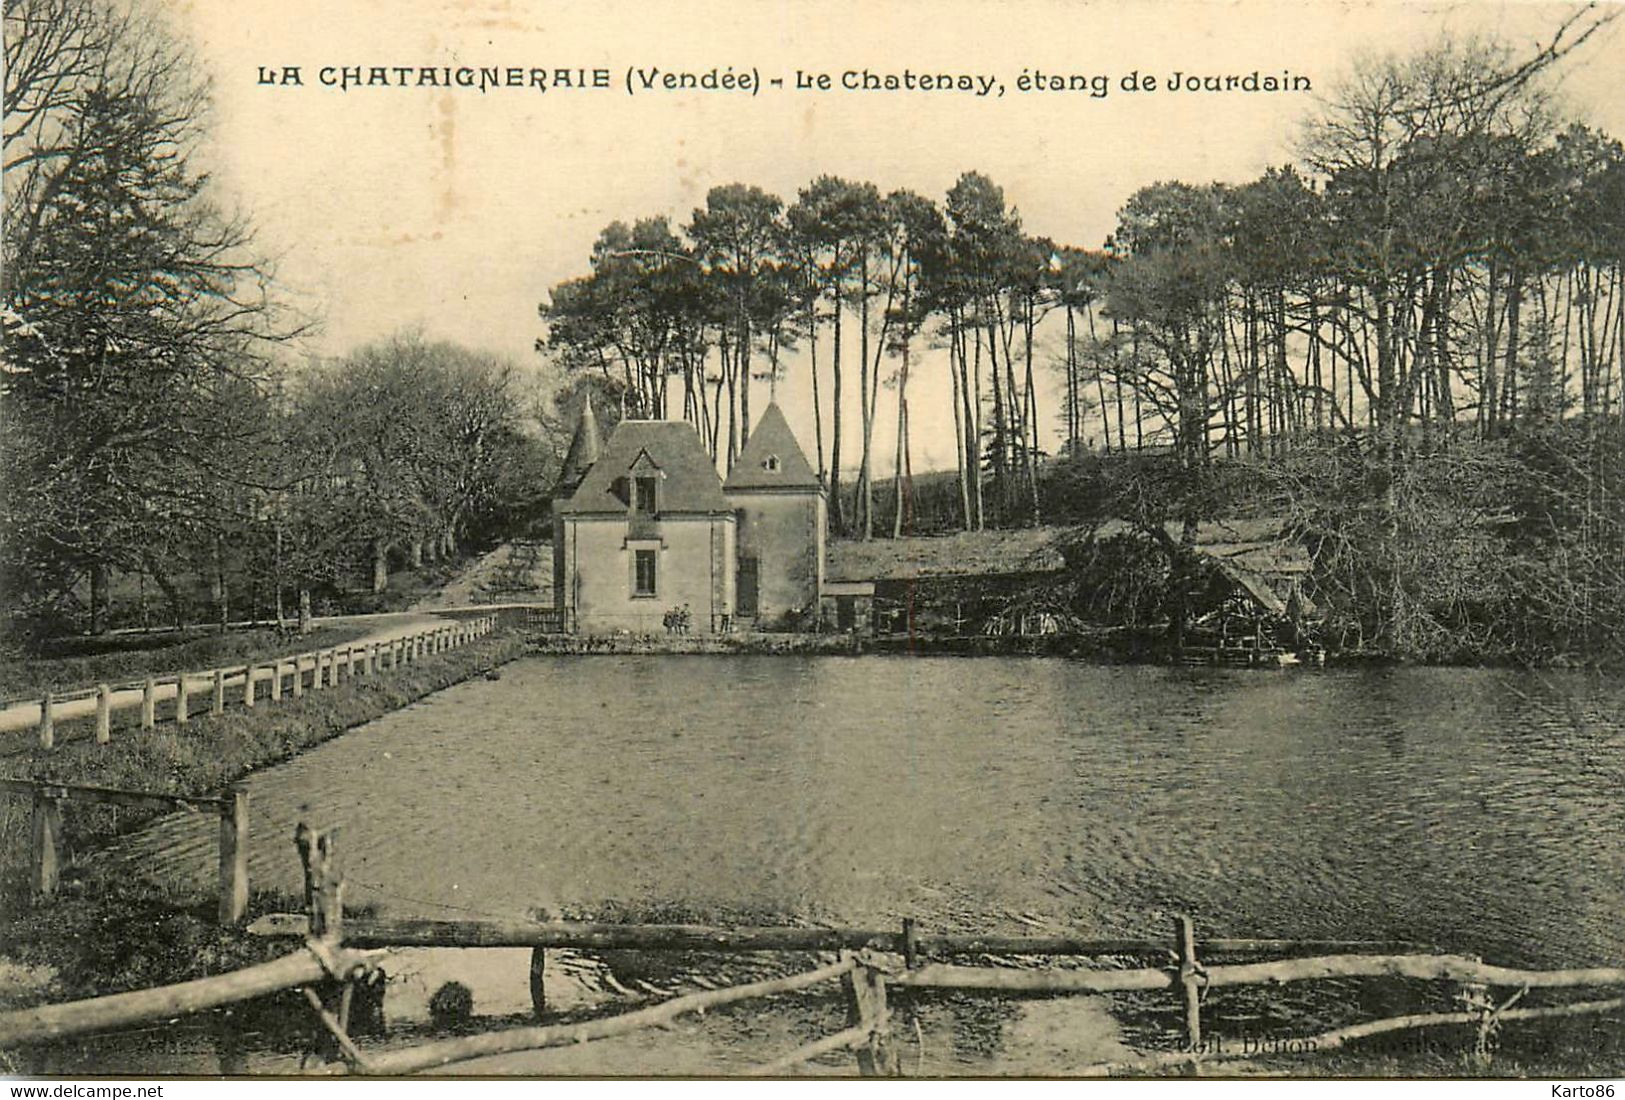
x,y
514,572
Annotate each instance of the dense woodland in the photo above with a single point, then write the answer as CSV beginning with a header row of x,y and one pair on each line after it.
x,y
1407,345
161,426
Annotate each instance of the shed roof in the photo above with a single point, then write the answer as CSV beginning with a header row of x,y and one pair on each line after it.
x,y
770,439
967,553
689,481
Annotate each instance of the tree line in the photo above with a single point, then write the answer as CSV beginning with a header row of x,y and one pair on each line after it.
x,y
1445,260
683,322
158,423
1386,341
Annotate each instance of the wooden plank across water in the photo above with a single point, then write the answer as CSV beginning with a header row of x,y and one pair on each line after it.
x,y
693,937
32,1025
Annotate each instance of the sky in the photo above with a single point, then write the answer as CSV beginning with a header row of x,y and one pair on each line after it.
x,y
455,209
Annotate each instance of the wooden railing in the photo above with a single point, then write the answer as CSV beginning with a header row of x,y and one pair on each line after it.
x,y
231,805
869,963
546,620
279,677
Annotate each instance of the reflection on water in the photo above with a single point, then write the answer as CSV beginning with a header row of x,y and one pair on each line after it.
x,y
1477,810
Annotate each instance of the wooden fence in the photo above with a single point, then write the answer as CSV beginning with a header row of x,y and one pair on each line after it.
x,y
231,805
246,684
869,963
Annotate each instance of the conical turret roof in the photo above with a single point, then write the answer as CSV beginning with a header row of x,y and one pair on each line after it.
x,y
584,449
772,459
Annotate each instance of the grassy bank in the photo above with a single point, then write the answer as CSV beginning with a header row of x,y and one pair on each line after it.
x,y
211,751
65,663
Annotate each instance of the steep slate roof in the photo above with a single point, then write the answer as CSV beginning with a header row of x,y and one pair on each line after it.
x,y
690,483
772,436
585,447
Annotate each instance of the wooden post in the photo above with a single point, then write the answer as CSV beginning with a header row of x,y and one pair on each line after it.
x,y
181,705
1190,985
297,681
218,706
276,682
332,895
865,989
248,685
371,663
149,703
1475,997
341,665
47,842
911,947
47,727
316,673
538,992
324,888
104,714
233,854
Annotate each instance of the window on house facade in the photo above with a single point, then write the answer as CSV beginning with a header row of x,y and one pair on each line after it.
x,y
771,464
644,577
644,495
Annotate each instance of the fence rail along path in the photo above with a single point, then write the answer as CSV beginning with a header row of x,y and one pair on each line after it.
x,y
184,695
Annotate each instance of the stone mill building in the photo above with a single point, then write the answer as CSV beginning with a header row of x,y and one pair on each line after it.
x,y
647,535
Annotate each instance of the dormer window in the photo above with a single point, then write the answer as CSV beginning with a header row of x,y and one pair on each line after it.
x,y
644,494
771,464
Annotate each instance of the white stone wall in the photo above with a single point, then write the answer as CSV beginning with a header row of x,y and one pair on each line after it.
x,y
598,569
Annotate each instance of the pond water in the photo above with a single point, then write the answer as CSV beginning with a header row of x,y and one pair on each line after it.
x,y
1476,810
